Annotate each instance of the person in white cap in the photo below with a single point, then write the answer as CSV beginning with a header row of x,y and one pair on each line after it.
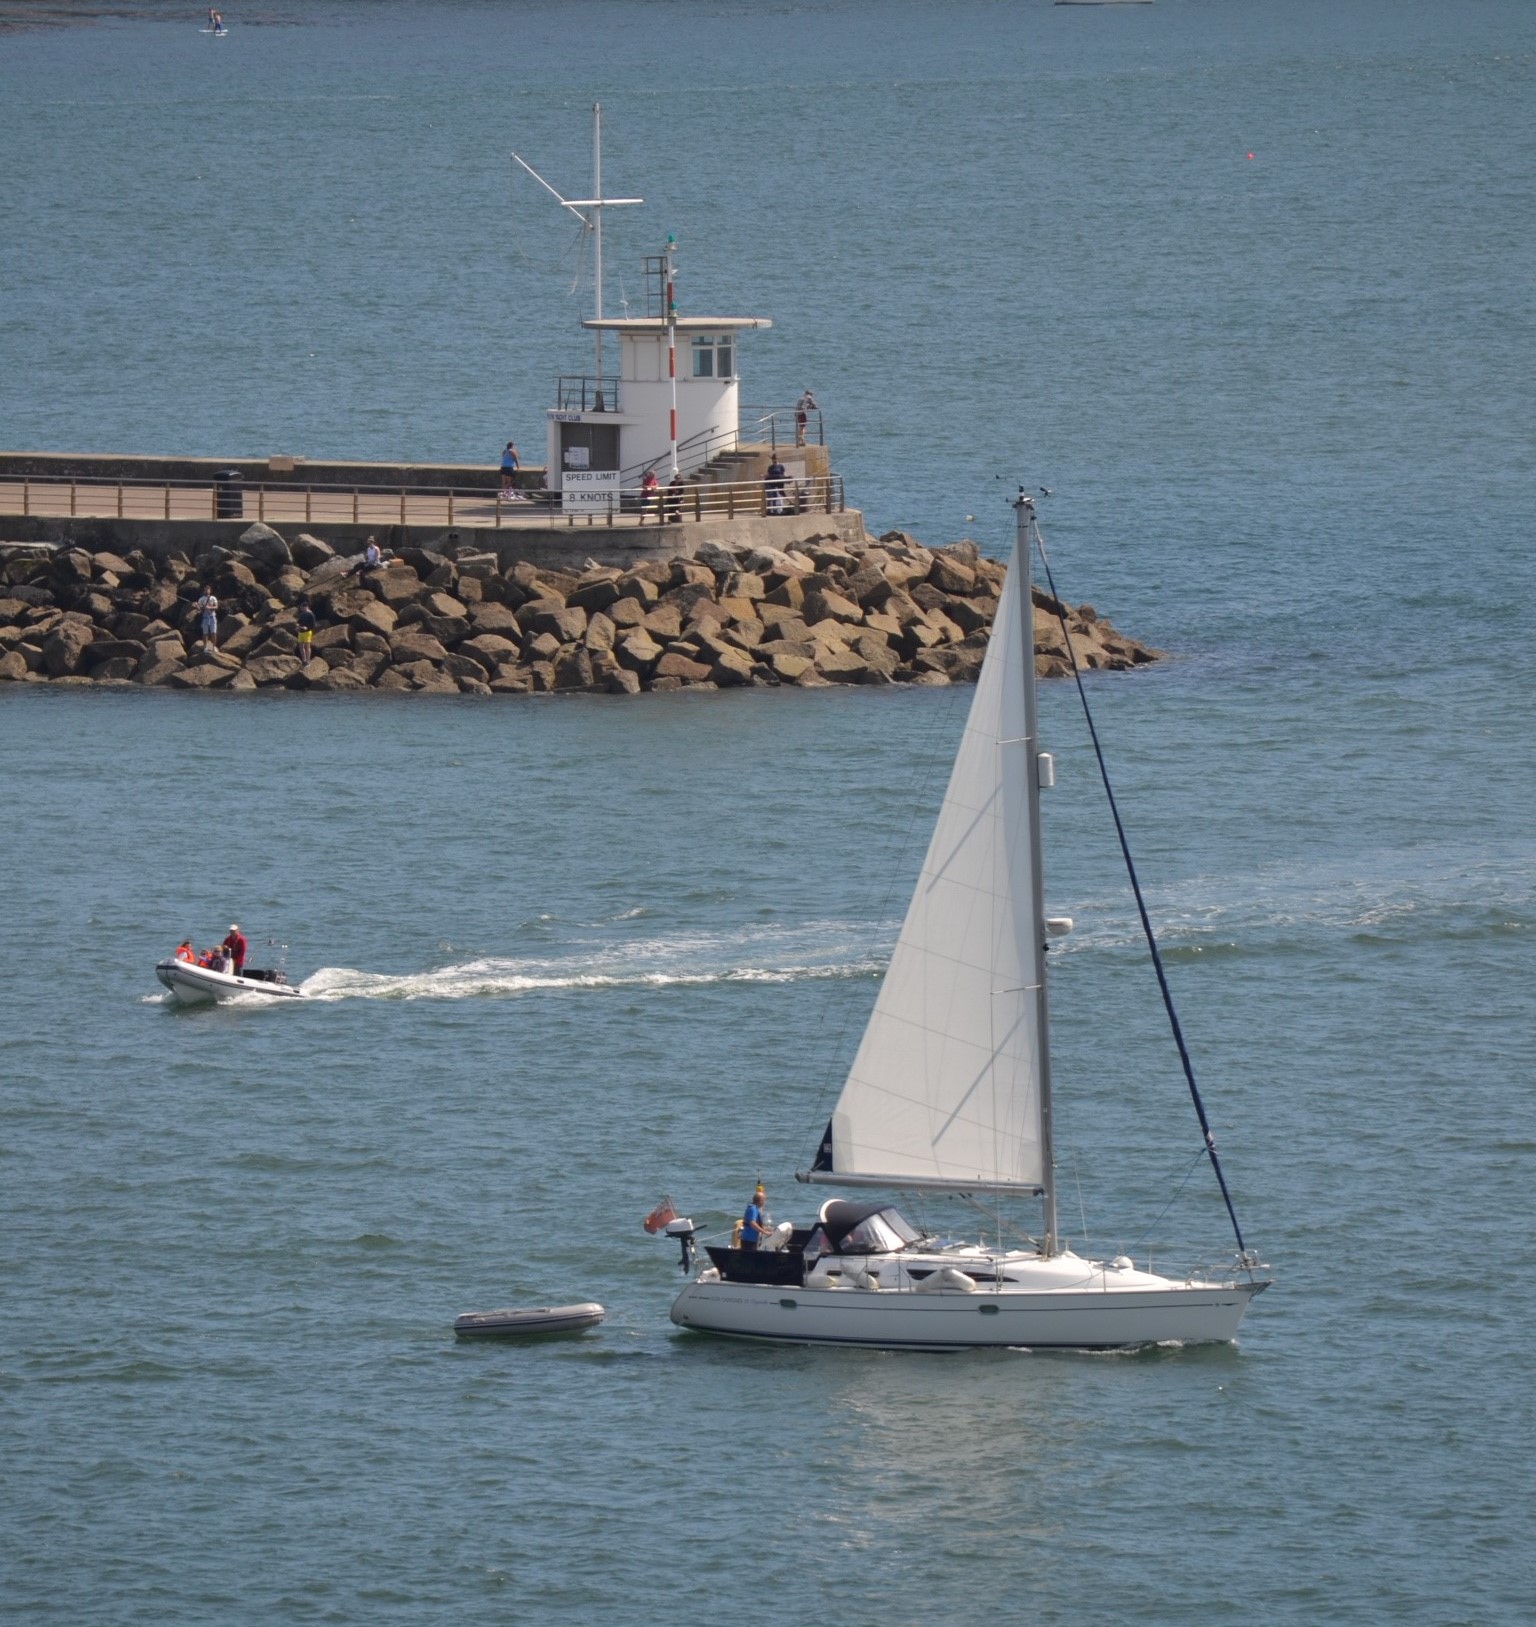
x,y
235,944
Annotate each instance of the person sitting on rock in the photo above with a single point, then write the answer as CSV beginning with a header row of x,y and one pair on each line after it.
x,y
373,557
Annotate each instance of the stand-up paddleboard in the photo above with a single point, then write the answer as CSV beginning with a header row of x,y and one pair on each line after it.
x,y
218,33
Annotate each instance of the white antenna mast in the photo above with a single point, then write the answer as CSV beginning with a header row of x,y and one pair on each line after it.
x,y
593,223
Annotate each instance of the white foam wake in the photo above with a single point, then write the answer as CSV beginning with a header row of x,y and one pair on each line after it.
x,y
804,954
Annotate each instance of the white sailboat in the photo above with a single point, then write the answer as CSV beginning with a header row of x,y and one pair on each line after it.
x,y
950,1092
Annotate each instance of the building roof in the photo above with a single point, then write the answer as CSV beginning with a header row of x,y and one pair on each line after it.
x,y
685,324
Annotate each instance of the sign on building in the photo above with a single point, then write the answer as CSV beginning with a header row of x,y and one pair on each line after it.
x,y
582,490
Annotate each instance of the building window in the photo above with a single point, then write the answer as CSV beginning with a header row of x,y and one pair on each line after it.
x,y
713,358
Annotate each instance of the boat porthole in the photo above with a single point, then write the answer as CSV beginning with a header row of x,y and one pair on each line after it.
x,y
987,1310
787,1304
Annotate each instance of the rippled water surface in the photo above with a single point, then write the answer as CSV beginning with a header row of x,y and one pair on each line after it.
x,y
569,955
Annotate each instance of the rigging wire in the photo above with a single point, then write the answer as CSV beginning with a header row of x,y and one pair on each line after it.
x,y
1141,904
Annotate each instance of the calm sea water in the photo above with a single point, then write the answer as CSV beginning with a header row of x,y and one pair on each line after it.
x,y
577,953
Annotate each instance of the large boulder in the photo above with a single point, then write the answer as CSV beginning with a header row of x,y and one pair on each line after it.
x,y
595,591
567,623
310,553
271,670
310,675
66,644
715,558
460,666
206,675
494,618
791,668
443,605
397,586
663,622
416,646
102,650
373,617
573,669
638,651
13,666
731,668
951,575
265,546
489,649
673,665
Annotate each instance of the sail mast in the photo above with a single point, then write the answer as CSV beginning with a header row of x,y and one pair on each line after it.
x,y
1023,545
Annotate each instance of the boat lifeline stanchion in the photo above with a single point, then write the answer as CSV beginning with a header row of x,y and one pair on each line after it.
x,y
1141,903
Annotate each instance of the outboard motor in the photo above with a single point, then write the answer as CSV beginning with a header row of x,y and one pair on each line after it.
x,y
683,1230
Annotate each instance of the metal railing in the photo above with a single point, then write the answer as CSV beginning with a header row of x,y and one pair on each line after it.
x,y
292,503
761,426
728,500
777,426
582,392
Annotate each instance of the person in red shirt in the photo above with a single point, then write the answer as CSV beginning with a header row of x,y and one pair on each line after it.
x,y
235,944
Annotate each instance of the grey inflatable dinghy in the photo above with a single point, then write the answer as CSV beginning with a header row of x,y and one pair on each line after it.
x,y
515,1322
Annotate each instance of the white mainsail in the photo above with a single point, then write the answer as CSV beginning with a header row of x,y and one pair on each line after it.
x,y
947,1087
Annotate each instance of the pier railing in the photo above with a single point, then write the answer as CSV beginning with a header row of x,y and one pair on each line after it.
x,y
292,503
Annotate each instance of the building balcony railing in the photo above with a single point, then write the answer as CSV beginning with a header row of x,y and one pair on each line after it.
x,y
582,392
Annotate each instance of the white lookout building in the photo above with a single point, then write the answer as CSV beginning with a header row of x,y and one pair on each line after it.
x,y
673,406
621,424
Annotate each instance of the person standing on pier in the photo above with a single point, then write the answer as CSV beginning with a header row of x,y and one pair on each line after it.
x,y
804,407
208,609
509,467
675,498
773,487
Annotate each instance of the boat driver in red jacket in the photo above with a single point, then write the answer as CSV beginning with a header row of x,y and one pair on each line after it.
x,y
235,944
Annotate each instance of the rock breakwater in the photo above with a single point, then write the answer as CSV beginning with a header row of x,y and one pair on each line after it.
x,y
889,611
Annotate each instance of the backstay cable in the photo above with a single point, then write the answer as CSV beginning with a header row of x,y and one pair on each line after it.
x,y
1141,905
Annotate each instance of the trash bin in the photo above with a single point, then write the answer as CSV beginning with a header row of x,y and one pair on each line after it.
x,y
229,495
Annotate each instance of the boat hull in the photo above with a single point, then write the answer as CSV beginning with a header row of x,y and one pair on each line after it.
x,y
197,985
896,1320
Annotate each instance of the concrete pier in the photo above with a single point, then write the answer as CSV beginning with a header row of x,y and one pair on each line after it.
x,y
159,505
